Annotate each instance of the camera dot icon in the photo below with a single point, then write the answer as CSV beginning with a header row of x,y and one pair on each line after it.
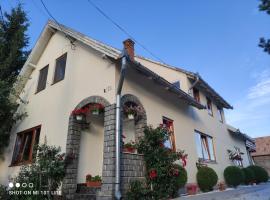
x,y
11,185
17,185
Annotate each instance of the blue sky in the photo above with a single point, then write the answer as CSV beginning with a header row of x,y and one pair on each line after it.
x,y
218,39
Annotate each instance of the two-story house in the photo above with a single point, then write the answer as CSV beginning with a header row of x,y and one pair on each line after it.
x,y
67,70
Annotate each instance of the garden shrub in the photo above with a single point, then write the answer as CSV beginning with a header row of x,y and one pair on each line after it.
x,y
4,193
46,173
249,175
206,178
260,173
164,178
181,180
234,176
138,190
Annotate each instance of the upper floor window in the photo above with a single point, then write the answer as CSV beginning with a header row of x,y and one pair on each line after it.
x,y
220,116
176,84
205,147
42,80
209,106
196,94
24,146
170,143
60,68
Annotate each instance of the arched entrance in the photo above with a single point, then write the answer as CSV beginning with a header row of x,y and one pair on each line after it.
x,y
79,140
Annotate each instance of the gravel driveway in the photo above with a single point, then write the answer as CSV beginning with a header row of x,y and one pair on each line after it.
x,y
258,192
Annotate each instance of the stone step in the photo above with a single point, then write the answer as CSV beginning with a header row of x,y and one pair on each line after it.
x,y
83,189
85,196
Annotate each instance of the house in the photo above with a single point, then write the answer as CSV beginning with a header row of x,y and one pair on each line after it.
x,y
262,155
67,70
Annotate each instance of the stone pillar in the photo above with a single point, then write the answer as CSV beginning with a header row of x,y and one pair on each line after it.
x,y
108,172
72,148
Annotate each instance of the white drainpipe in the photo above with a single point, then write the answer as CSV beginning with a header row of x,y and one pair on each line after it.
x,y
118,127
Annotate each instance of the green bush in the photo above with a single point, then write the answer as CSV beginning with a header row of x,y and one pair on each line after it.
x,y
3,193
249,175
207,178
138,190
260,173
234,176
181,180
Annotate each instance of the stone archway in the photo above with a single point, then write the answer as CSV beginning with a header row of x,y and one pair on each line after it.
x,y
133,166
73,144
140,125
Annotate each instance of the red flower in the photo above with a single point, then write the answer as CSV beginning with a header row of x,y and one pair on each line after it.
x,y
153,174
174,172
161,144
184,161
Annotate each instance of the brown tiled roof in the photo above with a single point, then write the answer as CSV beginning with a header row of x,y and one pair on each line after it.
x,y
262,146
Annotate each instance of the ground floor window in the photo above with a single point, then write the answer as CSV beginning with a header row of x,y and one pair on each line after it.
x,y
205,146
170,143
24,146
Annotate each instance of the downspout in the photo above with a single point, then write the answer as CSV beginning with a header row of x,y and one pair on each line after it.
x,y
194,84
118,126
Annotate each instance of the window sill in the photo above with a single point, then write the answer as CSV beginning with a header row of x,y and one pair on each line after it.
x,y
57,81
20,163
208,161
39,91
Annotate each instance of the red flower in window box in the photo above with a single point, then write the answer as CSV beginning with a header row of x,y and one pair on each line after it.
x,y
129,147
153,174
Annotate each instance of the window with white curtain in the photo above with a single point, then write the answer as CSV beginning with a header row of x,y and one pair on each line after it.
x,y
205,147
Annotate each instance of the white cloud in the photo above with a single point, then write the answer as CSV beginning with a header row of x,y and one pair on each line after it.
x,y
252,112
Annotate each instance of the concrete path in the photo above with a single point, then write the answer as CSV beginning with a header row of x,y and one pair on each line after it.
x,y
258,192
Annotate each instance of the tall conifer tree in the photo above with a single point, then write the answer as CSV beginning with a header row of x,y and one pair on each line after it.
x,y
13,54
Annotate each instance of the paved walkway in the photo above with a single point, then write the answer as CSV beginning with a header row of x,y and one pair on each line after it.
x,y
258,192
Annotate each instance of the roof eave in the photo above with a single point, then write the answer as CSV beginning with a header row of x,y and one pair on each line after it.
x,y
167,85
208,89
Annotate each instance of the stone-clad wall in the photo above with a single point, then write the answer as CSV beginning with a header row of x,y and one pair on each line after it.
x,y
132,168
108,172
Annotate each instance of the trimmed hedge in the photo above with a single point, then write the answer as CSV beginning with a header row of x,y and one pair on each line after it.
x,y
249,175
181,180
260,173
207,178
234,176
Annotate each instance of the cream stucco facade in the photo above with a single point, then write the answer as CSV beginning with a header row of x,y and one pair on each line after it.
x,y
90,72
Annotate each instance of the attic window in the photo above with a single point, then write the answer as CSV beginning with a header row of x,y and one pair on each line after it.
x,y
42,80
176,84
196,94
60,68
220,116
209,106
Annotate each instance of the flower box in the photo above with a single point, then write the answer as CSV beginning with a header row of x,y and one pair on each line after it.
x,y
191,189
93,183
130,116
79,117
129,150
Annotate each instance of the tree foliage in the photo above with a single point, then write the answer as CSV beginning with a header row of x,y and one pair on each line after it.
x,y
265,43
13,42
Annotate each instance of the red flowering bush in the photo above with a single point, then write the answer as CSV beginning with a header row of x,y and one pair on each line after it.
x,y
164,177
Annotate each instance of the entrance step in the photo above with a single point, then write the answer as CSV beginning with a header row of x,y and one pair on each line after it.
x,y
85,196
86,193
